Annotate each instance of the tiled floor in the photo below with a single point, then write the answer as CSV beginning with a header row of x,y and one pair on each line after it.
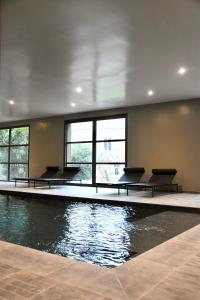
x,y
170,271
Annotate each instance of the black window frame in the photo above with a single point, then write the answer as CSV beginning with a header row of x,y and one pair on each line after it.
x,y
94,142
9,146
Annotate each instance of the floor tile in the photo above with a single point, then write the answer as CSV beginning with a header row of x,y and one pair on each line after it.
x,y
62,292
93,278
138,276
35,261
173,253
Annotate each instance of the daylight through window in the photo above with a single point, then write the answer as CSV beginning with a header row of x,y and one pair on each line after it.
x,y
14,152
98,146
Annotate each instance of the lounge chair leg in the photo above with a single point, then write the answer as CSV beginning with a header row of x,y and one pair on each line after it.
x,y
127,190
118,190
96,189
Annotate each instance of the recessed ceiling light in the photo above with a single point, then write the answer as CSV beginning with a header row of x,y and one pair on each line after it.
x,y
11,102
79,89
73,104
150,92
181,71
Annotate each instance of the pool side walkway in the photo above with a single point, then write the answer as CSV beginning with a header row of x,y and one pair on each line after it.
x,y
190,200
170,271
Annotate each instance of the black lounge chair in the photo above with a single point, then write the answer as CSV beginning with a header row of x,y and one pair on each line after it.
x,y
160,178
69,174
50,172
130,175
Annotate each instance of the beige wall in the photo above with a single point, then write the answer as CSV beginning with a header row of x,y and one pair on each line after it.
x,y
159,136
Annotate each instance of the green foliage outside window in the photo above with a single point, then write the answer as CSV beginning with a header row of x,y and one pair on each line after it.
x,y
14,144
82,153
20,135
4,136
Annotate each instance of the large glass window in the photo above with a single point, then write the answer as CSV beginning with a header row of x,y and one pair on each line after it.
x,y
14,152
79,148
98,146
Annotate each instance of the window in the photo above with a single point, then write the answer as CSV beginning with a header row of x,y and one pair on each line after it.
x,y
79,137
14,152
98,146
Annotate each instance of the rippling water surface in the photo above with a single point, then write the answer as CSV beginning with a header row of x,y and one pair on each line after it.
x,y
102,234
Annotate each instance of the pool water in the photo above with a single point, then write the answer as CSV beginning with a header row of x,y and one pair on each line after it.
x,y
102,234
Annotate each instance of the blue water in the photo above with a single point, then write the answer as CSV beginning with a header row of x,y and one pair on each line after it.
x,y
106,235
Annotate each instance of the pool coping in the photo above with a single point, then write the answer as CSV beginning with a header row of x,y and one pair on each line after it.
x,y
147,274
97,199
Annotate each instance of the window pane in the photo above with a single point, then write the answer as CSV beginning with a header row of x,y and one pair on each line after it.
x,y
3,154
18,170
86,172
111,151
19,135
3,172
108,173
111,129
79,152
19,154
4,136
77,132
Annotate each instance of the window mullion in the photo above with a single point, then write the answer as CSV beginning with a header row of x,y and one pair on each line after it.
x,y
9,148
94,152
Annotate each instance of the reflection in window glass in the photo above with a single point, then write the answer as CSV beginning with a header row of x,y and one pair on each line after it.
x,y
116,152
4,136
20,136
112,129
80,152
19,154
18,170
14,148
78,132
107,140
3,171
3,154
108,173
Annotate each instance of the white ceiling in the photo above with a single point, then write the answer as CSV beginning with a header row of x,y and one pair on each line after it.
x,y
116,50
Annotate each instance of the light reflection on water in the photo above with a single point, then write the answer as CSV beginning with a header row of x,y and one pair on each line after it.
x,y
103,234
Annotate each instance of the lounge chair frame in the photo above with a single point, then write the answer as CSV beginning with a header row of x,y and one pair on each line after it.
x,y
160,178
131,175
50,172
67,176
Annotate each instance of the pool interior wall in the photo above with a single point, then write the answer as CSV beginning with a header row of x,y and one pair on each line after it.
x,y
102,234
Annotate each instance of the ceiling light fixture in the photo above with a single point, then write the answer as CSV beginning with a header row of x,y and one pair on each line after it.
x,y
150,92
73,104
181,71
11,102
79,90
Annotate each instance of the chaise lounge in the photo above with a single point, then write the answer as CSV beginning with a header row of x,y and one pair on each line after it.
x,y
69,174
50,172
130,175
160,178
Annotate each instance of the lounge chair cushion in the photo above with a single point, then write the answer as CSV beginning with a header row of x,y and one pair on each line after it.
x,y
50,168
164,171
71,169
134,170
